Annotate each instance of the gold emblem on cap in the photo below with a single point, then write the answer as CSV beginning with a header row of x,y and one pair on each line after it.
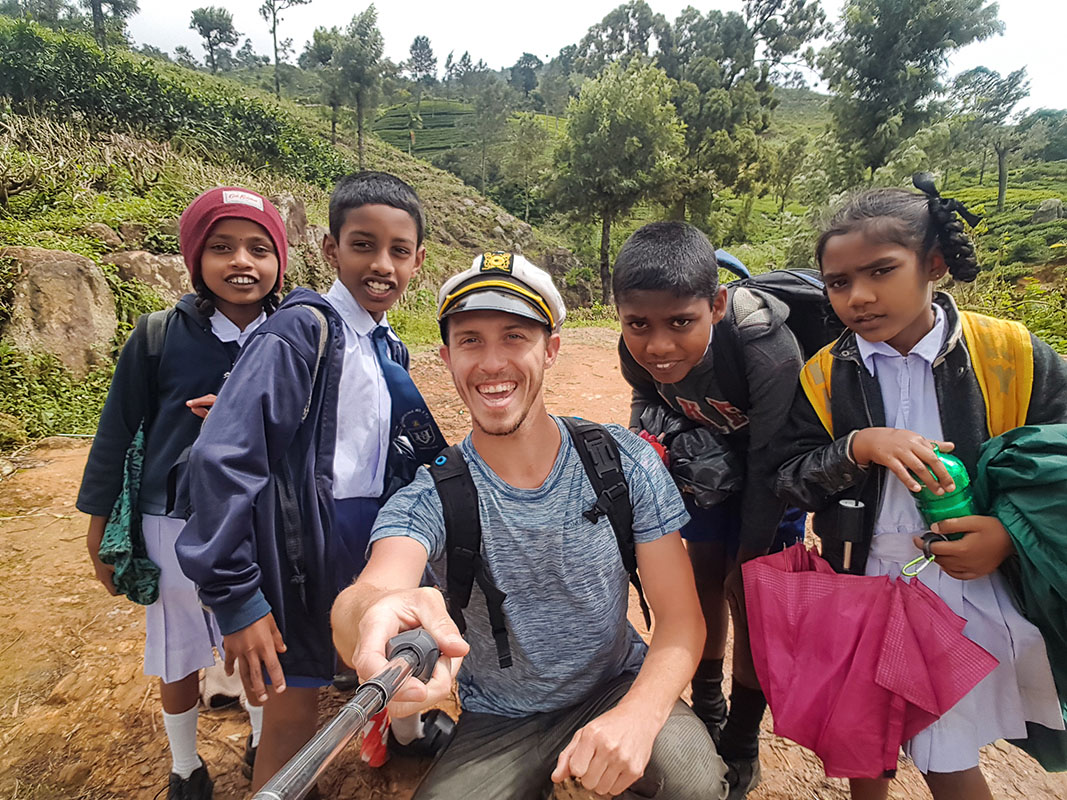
x,y
501,262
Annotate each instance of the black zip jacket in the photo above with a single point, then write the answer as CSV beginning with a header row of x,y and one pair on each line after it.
x,y
816,469
749,408
193,363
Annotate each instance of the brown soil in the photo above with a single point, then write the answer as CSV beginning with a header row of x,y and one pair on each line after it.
x,y
78,719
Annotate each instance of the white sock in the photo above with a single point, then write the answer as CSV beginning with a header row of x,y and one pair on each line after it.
x,y
406,729
181,733
255,718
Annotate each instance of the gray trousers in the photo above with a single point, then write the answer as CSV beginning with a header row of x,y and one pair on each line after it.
x,y
500,758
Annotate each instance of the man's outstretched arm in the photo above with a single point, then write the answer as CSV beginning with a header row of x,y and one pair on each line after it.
x,y
613,750
386,600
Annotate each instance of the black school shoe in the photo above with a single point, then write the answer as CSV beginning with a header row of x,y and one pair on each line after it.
x,y
198,786
249,760
743,776
437,730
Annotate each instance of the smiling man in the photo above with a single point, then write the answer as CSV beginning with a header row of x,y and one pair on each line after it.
x,y
553,680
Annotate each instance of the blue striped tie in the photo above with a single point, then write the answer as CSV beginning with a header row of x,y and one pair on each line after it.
x,y
411,418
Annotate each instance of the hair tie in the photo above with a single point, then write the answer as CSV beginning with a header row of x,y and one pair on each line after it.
x,y
924,182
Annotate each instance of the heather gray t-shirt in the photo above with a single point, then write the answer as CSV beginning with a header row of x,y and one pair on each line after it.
x,y
566,587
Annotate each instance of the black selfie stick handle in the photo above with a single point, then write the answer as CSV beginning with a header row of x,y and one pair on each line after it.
x,y
411,654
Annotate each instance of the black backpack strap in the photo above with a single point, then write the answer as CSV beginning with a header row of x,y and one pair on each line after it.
x,y
603,465
463,547
288,503
154,329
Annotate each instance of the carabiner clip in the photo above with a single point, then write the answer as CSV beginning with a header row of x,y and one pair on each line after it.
x,y
917,565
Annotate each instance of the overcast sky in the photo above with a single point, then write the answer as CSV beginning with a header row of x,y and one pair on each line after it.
x,y
499,32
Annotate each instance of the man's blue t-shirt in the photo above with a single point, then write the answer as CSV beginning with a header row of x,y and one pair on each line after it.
x,y
567,589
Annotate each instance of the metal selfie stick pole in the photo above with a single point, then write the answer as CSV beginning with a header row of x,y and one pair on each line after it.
x,y
412,653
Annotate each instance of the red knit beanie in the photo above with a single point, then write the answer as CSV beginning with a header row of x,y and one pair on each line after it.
x,y
228,201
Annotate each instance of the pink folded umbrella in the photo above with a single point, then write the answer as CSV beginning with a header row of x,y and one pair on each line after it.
x,y
853,666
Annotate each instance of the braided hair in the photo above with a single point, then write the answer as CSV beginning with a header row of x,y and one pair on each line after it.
x,y
919,222
205,300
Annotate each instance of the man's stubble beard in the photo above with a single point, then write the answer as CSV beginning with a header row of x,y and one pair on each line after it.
x,y
522,417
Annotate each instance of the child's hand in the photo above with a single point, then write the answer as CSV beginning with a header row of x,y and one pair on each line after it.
x,y
254,649
906,454
983,548
201,405
657,445
105,573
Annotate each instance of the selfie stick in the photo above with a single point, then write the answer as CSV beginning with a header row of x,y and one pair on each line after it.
x,y
411,654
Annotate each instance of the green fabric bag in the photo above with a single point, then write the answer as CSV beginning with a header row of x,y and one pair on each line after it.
x,y
122,546
1022,481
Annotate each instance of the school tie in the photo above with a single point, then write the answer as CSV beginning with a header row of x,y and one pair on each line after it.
x,y
411,418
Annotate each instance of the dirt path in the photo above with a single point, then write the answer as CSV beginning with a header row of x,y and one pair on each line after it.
x,y
79,720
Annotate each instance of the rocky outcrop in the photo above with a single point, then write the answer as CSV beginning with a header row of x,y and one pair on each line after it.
x,y
133,233
295,216
1049,211
61,304
98,230
166,275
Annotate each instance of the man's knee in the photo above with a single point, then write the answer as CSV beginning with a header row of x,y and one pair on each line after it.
x,y
684,763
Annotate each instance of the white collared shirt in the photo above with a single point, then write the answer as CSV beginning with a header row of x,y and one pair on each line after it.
x,y
910,400
364,407
226,331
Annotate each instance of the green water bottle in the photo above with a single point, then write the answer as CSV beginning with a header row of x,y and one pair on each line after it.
x,y
957,503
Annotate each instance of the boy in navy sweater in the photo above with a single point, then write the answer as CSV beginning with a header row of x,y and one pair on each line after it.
x,y
289,471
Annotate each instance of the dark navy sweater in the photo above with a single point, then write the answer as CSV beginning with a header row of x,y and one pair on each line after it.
x,y
234,545
193,363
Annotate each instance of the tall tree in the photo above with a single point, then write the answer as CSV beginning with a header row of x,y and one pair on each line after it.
x,y
784,30
885,62
983,100
523,74
322,55
1055,124
788,159
360,62
621,147
99,31
271,11
422,63
110,25
184,57
625,32
492,106
247,58
422,66
528,156
215,26
723,95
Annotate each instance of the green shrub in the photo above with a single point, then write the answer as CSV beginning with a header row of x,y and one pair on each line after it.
x,y
1042,310
1030,249
594,315
576,276
414,318
45,397
68,75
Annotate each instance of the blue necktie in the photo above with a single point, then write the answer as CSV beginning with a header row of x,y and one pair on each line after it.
x,y
411,418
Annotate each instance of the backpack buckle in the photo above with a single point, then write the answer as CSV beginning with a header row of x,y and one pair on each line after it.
x,y
604,502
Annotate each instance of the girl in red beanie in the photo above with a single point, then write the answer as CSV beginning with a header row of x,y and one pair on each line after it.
x,y
234,244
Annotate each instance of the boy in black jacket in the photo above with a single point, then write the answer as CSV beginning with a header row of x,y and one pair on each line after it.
x,y
683,338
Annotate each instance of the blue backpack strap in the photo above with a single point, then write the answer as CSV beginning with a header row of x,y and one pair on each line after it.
x,y
600,456
463,547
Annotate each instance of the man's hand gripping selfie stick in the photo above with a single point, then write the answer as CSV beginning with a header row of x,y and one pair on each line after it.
x,y
412,653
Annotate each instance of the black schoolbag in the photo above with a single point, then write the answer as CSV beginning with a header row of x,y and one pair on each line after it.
x,y
811,319
463,526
